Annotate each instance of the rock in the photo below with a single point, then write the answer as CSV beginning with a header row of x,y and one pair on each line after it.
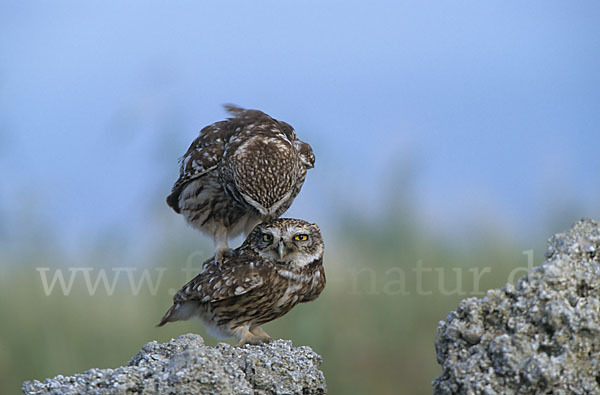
x,y
540,335
186,365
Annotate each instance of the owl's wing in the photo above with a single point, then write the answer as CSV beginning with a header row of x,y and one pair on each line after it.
x,y
202,156
224,281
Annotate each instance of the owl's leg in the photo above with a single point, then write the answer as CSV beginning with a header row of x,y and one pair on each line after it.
x,y
245,336
251,224
220,240
259,332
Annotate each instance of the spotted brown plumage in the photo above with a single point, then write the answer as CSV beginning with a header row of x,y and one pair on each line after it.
x,y
279,265
238,173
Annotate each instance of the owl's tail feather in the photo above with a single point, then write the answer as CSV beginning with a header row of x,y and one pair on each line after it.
x,y
169,316
177,312
233,109
173,200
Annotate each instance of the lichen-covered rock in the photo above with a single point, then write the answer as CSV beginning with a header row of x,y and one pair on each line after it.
x,y
541,335
185,365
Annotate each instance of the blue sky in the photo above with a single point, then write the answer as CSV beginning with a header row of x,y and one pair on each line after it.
x,y
494,105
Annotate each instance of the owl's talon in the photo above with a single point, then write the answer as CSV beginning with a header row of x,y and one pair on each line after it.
x,y
254,336
225,252
261,335
254,341
229,252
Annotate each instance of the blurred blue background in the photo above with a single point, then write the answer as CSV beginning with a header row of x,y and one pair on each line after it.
x,y
453,118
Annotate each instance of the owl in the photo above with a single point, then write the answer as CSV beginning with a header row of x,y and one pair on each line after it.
x,y
238,173
279,265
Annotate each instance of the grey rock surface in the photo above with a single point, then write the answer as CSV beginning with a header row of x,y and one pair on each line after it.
x,y
186,366
541,335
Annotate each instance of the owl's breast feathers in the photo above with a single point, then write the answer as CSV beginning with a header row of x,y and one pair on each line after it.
x,y
317,281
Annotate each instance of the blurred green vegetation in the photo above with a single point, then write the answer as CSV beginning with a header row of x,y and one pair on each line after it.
x,y
374,324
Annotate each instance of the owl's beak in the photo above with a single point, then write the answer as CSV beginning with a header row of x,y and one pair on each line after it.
x,y
282,250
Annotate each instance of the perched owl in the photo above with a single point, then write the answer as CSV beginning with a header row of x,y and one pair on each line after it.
x,y
238,173
279,265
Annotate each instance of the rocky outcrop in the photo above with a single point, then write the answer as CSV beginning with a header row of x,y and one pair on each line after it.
x,y
541,335
186,365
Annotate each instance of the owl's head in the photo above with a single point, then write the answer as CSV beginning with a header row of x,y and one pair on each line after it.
x,y
306,154
288,241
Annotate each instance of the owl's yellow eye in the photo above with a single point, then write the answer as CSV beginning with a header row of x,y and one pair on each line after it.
x,y
267,237
301,237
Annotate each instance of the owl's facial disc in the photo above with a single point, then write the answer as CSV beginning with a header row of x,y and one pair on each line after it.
x,y
278,247
284,246
289,242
